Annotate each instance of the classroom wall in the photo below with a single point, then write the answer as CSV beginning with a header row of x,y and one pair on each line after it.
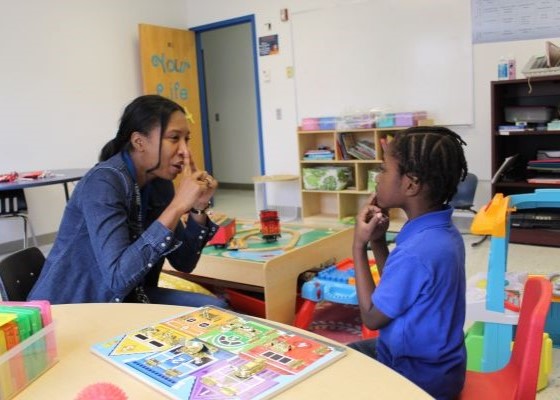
x,y
68,67
280,143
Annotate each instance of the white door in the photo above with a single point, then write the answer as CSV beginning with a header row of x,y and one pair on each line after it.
x,y
231,101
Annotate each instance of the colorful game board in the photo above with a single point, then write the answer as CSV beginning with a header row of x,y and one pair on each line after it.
x,y
212,353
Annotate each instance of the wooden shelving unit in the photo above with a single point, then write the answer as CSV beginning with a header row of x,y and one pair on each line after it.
x,y
539,91
318,205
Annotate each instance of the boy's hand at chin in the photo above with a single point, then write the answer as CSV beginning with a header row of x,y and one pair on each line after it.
x,y
378,218
371,222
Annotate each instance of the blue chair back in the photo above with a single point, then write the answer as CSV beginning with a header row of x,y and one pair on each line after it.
x,y
464,198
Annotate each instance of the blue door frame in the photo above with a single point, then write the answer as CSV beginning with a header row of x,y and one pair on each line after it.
x,y
202,85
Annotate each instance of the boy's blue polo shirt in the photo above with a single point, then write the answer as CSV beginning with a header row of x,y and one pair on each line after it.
x,y
423,291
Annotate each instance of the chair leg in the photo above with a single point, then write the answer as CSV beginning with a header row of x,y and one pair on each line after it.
x,y
304,316
480,241
24,231
32,231
368,333
26,223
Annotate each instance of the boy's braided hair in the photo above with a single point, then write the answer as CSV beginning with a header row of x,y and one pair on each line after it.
x,y
434,155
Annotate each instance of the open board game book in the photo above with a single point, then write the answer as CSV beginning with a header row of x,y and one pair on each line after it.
x,y
211,353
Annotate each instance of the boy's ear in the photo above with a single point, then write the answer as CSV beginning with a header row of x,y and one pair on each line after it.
x,y
413,185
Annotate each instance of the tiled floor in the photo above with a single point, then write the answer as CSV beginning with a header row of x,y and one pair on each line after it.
x,y
535,259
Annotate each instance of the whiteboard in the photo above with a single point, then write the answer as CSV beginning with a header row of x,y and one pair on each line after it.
x,y
392,55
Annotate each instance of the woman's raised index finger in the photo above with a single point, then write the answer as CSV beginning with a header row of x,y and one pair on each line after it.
x,y
192,165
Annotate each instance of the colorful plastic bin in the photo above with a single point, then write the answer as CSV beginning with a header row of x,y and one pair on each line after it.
x,y
327,123
310,124
386,121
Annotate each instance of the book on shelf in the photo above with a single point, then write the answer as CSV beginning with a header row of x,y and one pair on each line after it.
x,y
341,148
318,157
211,353
512,127
347,142
366,147
320,154
363,150
507,129
319,151
358,149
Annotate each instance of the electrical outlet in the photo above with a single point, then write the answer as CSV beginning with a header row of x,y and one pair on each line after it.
x,y
279,113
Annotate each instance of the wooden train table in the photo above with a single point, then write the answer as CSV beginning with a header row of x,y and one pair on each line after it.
x,y
272,268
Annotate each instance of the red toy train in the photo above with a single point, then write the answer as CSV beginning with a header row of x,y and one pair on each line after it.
x,y
225,233
270,225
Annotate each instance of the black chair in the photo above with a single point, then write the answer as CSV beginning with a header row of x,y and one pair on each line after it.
x,y
14,205
464,198
19,272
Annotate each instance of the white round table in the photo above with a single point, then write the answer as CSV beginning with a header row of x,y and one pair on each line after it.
x,y
79,326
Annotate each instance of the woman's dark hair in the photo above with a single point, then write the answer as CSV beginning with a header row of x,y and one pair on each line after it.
x,y
433,155
142,115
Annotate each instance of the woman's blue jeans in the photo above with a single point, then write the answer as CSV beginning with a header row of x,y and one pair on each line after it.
x,y
174,297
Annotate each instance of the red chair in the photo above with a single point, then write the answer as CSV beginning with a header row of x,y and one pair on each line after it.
x,y
518,379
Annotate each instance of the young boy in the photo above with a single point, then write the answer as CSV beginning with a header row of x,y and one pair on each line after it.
x,y
419,304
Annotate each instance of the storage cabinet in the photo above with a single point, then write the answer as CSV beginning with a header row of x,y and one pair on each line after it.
x,y
536,92
318,204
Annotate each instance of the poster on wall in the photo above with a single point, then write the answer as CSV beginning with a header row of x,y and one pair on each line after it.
x,y
268,45
169,68
509,20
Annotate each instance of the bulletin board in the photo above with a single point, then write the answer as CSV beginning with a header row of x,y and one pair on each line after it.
x,y
393,55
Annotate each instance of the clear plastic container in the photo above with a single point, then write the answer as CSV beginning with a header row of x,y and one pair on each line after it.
x,y
27,361
277,192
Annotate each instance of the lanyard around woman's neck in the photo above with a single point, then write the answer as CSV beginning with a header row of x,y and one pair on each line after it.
x,y
140,201
140,196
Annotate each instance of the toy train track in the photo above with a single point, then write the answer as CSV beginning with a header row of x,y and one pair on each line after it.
x,y
295,235
268,229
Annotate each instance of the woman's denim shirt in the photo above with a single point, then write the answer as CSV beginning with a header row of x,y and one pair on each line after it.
x,y
96,256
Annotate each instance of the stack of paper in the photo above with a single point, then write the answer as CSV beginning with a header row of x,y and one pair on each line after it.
x,y
546,166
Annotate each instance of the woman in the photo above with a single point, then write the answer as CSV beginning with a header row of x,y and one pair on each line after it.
x,y
124,216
